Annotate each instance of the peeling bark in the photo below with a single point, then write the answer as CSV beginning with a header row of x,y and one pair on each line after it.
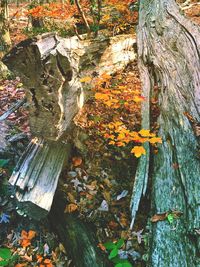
x,y
169,60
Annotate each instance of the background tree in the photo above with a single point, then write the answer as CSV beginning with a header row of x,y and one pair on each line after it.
x,y
5,40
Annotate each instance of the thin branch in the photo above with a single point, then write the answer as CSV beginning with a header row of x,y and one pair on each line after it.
x,y
80,10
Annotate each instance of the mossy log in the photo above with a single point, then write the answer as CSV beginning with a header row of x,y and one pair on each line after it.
x,y
169,62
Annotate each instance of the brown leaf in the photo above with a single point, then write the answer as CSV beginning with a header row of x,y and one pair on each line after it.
x,y
159,217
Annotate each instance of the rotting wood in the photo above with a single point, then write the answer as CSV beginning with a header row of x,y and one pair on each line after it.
x,y
50,68
169,62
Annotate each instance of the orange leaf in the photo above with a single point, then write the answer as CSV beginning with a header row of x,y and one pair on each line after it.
x,y
47,261
25,243
31,234
138,151
39,258
20,265
24,234
77,161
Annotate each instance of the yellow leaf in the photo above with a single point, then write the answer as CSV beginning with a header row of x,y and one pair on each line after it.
x,y
85,79
138,151
138,99
121,136
111,143
155,140
146,133
100,96
109,103
116,92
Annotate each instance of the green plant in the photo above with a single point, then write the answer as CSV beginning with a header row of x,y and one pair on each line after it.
x,y
6,257
170,218
113,254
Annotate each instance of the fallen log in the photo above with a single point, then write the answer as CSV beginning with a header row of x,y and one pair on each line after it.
x,y
169,63
50,68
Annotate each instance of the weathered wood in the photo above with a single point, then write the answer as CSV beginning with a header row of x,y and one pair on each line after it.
x,y
78,237
36,175
50,68
169,46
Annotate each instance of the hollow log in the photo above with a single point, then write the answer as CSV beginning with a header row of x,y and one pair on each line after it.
x,y
51,67
169,62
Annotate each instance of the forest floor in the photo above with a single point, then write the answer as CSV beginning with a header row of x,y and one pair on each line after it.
x,y
99,178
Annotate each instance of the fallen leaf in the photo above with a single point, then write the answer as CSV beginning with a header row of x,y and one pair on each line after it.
x,y
124,193
85,79
104,206
20,264
101,246
70,208
31,234
77,161
159,217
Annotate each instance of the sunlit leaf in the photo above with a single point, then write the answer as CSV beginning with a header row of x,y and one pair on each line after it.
x,y
138,151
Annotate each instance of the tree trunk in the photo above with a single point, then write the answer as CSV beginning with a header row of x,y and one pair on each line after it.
x,y
5,40
169,63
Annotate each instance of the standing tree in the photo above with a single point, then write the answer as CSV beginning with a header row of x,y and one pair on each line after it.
x,y
169,62
5,40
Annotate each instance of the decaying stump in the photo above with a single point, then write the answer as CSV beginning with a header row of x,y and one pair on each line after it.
x,y
169,61
50,68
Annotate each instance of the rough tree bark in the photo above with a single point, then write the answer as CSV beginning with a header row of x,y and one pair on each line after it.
x,y
169,62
